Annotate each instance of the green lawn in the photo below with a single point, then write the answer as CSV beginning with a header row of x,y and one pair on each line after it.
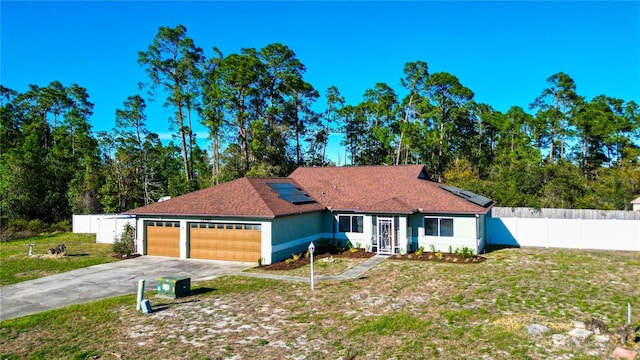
x,y
398,310
82,251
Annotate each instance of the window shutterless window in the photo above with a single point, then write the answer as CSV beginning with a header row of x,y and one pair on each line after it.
x,y
446,227
344,223
434,226
356,224
431,226
351,223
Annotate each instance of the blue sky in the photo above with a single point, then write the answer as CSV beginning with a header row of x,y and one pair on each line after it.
x,y
503,51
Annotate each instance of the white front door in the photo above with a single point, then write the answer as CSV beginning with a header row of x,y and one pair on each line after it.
x,y
386,236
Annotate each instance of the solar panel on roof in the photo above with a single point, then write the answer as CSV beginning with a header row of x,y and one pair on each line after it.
x,y
281,185
298,199
481,200
468,195
291,193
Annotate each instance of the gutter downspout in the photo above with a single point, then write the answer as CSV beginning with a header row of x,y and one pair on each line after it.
x,y
333,225
477,234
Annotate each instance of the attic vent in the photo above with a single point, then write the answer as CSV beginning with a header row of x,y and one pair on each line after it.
x,y
291,193
468,195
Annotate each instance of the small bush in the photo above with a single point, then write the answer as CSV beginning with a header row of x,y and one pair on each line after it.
x,y
64,226
17,225
326,246
125,244
36,225
15,229
420,251
466,252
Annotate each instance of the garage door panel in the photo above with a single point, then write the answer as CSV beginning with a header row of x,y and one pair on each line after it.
x,y
234,242
163,239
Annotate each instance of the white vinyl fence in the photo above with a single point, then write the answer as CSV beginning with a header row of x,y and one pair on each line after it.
x,y
564,228
107,227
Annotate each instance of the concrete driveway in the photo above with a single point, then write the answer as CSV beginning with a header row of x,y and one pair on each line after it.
x,y
104,281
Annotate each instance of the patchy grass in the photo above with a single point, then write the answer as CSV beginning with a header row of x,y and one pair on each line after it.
x,y
82,251
399,310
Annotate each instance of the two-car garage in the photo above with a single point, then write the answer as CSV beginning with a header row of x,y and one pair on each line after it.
x,y
205,240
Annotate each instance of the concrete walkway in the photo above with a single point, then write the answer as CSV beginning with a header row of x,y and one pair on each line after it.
x,y
104,281
353,273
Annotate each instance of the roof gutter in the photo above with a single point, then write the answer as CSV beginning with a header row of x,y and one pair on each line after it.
x,y
299,213
422,211
171,215
369,211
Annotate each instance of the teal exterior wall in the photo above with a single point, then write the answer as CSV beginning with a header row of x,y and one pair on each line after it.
x,y
292,234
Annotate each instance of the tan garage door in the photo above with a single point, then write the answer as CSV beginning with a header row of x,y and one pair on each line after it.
x,y
163,238
235,242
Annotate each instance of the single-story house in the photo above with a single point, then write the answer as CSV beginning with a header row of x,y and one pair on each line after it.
x,y
383,209
635,204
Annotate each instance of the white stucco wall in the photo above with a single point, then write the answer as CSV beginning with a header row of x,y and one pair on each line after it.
x,y
464,233
140,249
184,236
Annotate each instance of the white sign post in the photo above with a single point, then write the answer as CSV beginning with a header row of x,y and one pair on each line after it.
x,y
311,249
140,294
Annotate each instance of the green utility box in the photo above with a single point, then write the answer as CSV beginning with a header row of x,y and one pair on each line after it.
x,y
174,287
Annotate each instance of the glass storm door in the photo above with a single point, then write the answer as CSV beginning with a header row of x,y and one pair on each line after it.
x,y
386,236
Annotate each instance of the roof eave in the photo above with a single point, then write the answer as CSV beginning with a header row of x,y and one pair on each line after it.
x,y
454,212
369,211
389,212
204,215
299,213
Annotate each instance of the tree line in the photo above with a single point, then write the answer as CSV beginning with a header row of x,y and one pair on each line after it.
x,y
260,114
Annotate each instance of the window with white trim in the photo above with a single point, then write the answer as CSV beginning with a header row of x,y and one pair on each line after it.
x,y
350,223
436,226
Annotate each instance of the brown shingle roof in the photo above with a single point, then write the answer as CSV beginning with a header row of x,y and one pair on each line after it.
x,y
376,189
245,197
398,189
